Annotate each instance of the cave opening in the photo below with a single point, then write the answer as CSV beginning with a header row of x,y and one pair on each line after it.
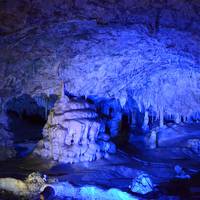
x,y
26,118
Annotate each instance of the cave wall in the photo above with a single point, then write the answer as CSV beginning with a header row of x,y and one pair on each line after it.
x,y
182,14
144,55
160,72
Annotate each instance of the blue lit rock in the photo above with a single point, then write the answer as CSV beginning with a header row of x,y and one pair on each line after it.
x,y
65,189
160,72
155,65
142,184
109,147
104,137
180,173
71,133
194,145
152,140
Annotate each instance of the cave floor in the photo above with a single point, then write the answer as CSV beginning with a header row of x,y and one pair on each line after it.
x,y
118,170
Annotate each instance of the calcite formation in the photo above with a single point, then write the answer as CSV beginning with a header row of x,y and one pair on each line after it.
x,y
28,188
71,133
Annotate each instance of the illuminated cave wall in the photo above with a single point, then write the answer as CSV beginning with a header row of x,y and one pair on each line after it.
x,y
144,55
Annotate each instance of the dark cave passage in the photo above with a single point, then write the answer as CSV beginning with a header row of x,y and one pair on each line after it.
x,y
124,130
26,119
25,128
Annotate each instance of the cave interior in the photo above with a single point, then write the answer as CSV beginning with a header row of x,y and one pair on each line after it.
x,y
100,99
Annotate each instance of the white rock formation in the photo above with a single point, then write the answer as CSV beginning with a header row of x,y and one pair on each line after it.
x,y
71,134
15,186
145,125
27,188
65,189
152,140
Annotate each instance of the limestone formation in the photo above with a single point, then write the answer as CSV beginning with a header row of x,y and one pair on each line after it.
x,y
28,188
152,140
144,51
71,133
160,73
65,189
145,125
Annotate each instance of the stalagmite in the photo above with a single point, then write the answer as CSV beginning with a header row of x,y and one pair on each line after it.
x,y
62,92
161,118
177,118
71,133
152,140
145,125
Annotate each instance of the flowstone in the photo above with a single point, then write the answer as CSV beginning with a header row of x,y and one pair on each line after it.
x,y
71,133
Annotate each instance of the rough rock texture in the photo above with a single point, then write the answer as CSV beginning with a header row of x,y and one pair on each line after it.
x,y
6,139
28,188
142,184
71,134
182,14
144,52
110,112
160,73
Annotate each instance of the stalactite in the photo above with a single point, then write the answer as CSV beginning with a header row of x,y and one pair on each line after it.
x,y
62,93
